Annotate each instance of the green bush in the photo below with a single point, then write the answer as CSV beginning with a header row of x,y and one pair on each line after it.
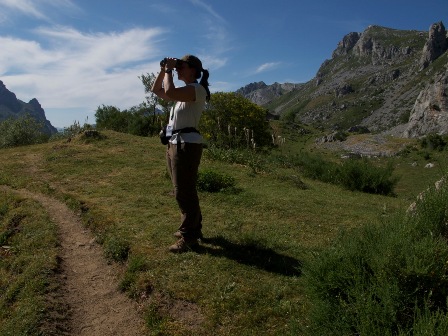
x,y
353,174
434,142
363,176
21,131
71,131
385,279
138,120
232,121
316,168
211,181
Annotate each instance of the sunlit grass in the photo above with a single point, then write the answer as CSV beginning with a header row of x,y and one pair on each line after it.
x,y
246,276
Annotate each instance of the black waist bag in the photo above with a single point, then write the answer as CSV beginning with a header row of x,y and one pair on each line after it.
x,y
165,139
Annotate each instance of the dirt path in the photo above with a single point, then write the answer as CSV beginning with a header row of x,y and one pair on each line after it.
x,y
89,288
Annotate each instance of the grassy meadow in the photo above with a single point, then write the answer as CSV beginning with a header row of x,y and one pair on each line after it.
x,y
247,276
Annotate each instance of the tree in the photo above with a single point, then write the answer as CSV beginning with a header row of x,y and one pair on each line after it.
x,y
21,131
110,117
230,120
153,100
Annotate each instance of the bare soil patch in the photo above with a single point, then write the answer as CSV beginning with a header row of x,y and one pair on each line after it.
x,y
88,283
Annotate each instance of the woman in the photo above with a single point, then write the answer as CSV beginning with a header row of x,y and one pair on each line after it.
x,y
184,149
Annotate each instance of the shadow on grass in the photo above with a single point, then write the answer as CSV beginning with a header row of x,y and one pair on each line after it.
x,y
251,254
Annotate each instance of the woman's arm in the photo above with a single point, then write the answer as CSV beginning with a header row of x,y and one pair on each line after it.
x,y
184,94
164,86
157,86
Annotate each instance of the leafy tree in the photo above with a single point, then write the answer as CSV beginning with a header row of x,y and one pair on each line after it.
x,y
21,131
110,117
138,120
142,122
153,100
230,120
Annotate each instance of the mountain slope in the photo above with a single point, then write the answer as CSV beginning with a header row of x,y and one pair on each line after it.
x,y
10,106
373,79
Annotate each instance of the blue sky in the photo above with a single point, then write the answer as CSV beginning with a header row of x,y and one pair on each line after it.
x,y
76,55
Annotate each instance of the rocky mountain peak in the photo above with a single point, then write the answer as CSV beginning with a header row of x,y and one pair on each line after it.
x,y
430,111
346,44
8,99
372,80
436,44
11,107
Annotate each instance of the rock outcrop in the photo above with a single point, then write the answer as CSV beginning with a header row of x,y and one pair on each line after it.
x,y
261,94
388,80
11,107
347,44
436,44
430,111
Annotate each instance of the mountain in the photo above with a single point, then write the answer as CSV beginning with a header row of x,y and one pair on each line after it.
x,y
262,94
383,80
10,106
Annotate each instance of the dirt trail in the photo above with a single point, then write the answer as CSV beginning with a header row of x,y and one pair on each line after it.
x,y
89,288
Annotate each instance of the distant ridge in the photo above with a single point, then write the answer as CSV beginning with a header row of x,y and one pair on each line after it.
x,y
10,106
383,79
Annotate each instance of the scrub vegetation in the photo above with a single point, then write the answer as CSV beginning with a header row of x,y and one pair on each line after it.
x,y
284,251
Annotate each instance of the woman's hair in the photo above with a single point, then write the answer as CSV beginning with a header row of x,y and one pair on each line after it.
x,y
194,62
204,82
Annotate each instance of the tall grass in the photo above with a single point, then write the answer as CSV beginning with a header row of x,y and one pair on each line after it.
x,y
353,174
385,279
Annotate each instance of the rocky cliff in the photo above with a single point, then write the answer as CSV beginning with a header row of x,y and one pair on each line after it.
x,y
262,94
11,107
383,79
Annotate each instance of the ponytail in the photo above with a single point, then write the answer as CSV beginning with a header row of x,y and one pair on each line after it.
x,y
204,82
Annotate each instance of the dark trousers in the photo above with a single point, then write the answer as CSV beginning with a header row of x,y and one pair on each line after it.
x,y
183,164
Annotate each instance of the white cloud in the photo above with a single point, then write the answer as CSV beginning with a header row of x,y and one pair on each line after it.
x,y
209,9
24,6
267,66
36,8
71,69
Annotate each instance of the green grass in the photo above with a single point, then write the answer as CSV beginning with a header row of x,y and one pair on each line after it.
x,y
246,278
28,250
381,279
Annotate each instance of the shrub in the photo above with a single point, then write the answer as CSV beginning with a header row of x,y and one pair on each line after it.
x,y
211,181
21,131
138,120
434,142
353,174
385,279
72,131
232,121
363,176
316,168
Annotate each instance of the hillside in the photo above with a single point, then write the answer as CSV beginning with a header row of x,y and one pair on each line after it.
x,y
10,106
258,237
384,79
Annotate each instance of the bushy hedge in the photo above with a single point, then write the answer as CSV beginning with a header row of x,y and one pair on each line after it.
x,y
385,279
434,142
353,174
21,131
138,120
232,121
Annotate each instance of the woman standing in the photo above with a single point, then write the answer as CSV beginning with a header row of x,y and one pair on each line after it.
x,y
184,149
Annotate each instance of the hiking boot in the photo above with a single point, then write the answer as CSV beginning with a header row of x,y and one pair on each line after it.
x,y
183,245
179,235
